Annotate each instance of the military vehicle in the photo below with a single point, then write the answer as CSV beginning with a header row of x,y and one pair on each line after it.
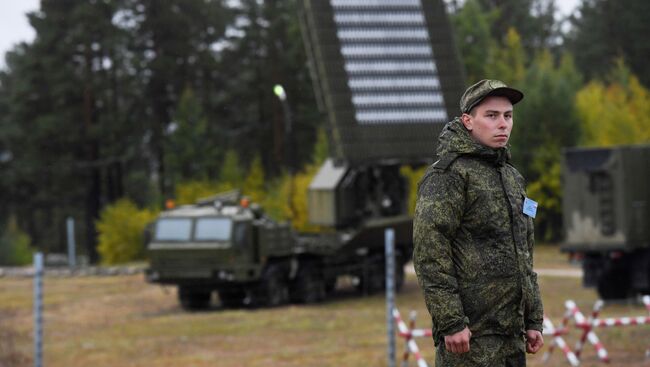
x,y
606,210
388,76
226,244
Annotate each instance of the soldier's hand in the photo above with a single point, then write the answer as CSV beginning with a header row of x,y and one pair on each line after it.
x,y
459,342
534,341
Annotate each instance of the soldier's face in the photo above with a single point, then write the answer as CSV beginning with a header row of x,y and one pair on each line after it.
x,y
491,122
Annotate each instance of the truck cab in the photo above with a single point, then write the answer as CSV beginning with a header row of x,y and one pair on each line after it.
x,y
214,245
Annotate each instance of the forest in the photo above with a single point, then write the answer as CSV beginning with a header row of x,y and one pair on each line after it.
x,y
118,106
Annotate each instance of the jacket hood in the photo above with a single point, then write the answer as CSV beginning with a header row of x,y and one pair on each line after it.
x,y
455,139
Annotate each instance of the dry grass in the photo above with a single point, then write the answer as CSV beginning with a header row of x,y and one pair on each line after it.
x,y
122,321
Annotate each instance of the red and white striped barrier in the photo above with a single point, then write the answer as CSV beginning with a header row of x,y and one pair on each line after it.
x,y
594,314
549,329
556,332
408,334
587,325
587,333
646,302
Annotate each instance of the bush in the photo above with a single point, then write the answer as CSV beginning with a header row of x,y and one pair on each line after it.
x,y
15,248
413,177
189,192
121,229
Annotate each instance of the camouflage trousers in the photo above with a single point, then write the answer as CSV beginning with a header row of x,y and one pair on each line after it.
x,y
486,351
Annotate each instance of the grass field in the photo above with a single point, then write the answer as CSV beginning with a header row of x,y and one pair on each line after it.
x,y
123,321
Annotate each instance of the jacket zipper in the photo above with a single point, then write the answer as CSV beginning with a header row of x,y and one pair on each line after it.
x,y
512,231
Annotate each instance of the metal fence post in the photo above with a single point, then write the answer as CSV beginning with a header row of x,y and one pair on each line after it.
x,y
72,256
38,309
389,245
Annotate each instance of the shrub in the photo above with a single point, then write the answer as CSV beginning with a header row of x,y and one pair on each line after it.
x,y
15,247
121,229
413,177
189,192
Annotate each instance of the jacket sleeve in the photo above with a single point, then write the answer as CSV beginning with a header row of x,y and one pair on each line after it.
x,y
534,311
439,209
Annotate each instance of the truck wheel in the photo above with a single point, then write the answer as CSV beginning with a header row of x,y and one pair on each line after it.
x,y
273,290
330,285
614,284
232,299
308,287
372,279
194,299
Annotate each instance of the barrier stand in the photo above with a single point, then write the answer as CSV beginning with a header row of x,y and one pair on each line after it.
x,y
405,358
549,329
563,329
587,327
408,334
594,315
593,322
646,302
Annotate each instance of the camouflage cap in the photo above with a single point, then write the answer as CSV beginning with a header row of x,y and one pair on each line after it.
x,y
487,87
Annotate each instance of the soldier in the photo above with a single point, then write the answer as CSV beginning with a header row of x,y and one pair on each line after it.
x,y
473,236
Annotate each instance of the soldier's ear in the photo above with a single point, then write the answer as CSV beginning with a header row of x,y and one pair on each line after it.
x,y
466,119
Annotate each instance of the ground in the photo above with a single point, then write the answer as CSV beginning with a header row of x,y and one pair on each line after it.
x,y
123,321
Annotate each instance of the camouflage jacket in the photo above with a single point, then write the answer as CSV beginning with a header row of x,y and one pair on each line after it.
x,y
473,244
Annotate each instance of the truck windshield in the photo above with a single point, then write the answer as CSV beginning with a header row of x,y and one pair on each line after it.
x,y
173,229
212,229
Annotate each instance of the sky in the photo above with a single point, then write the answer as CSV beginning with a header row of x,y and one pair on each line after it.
x,y
15,28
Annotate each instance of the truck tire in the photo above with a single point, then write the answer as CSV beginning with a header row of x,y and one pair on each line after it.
x,y
194,299
273,290
330,285
309,286
372,279
232,298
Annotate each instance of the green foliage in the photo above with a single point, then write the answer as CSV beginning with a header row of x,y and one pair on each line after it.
x,y
286,196
532,19
297,192
546,118
254,182
615,113
545,121
15,247
547,191
190,191
275,202
413,177
321,147
607,30
487,30
189,153
508,62
87,108
121,228
231,171
473,38
270,51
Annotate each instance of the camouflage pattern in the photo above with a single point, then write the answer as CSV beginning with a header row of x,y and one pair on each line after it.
x,y
487,87
486,351
473,245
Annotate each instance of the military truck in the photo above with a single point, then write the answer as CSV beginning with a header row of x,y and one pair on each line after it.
x,y
227,245
388,76
606,210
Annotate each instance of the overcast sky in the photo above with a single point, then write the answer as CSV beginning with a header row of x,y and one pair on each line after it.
x,y
14,27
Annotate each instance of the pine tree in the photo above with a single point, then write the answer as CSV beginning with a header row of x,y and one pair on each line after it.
x,y
605,30
254,182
